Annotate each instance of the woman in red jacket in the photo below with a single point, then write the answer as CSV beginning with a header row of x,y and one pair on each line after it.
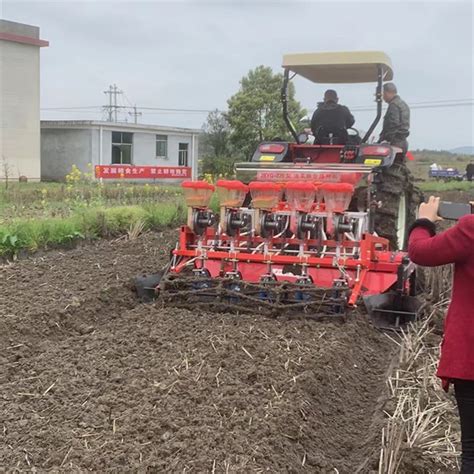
x,y
456,366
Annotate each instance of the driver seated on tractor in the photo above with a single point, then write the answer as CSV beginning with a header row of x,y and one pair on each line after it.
x,y
396,122
331,119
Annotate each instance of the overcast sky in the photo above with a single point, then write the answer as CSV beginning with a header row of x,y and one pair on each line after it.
x,y
192,54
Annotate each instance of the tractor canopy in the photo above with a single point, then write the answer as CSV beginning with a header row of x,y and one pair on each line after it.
x,y
336,68
340,67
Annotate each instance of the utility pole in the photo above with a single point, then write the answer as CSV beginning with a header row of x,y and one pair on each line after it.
x,y
108,108
135,114
112,108
115,102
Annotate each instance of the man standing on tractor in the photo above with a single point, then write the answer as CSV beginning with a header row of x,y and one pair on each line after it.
x,y
470,171
331,116
396,123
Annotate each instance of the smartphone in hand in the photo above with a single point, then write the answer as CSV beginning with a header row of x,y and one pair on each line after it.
x,y
454,210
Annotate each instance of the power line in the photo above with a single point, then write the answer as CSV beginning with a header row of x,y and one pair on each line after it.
x,y
430,102
73,108
443,100
114,107
74,111
162,109
440,103
128,100
413,106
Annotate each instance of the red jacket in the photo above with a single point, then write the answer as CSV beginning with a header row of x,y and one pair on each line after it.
x,y
456,245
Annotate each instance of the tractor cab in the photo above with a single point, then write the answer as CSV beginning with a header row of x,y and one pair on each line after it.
x,y
334,153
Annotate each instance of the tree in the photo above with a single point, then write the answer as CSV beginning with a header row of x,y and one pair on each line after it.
x,y
216,134
218,157
255,111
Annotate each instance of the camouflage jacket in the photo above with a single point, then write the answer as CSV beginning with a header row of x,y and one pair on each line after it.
x,y
396,123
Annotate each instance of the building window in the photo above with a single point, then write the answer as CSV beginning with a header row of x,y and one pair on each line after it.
x,y
183,154
122,148
161,146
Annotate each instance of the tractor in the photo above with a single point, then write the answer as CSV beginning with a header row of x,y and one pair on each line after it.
x,y
313,229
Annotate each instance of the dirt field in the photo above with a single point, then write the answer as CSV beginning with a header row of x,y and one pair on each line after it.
x,y
92,380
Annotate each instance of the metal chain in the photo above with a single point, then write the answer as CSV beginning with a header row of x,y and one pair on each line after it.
x,y
269,298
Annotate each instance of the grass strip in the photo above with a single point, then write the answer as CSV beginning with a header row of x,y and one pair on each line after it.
x,y
438,186
33,234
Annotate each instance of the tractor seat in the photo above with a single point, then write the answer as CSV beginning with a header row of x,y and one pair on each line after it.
x,y
331,136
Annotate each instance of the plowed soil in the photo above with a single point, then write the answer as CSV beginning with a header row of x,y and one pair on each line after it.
x,y
91,379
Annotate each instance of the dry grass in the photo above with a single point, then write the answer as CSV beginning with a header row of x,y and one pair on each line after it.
x,y
136,229
419,419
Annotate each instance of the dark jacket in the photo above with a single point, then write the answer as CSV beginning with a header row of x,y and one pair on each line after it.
x,y
396,123
470,170
456,245
331,116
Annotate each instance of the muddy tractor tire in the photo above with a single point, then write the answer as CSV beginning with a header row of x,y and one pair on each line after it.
x,y
398,199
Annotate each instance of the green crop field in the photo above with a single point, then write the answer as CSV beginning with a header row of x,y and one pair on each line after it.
x,y
42,215
441,186
424,158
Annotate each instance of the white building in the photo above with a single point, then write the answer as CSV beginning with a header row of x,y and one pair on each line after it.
x,y
118,150
20,100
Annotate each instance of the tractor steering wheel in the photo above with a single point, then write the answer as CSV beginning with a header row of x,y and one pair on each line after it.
x,y
331,135
353,138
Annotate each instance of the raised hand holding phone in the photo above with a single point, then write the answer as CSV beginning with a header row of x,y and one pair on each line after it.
x,y
429,210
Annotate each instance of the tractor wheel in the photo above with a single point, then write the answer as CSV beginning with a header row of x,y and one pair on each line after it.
x,y
399,199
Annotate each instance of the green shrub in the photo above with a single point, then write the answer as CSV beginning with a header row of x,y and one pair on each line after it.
x,y
119,219
169,214
10,243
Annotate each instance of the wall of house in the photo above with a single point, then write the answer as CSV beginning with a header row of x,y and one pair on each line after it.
x,y
144,148
20,111
61,148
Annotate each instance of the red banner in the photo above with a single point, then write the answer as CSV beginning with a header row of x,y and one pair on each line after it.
x,y
321,176
142,172
299,176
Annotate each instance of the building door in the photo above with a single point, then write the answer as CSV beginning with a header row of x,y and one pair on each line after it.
x,y
183,150
122,143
